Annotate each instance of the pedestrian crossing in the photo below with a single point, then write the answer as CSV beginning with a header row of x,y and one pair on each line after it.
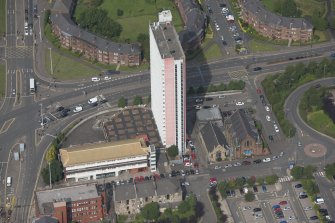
x,y
319,174
238,74
285,179
19,52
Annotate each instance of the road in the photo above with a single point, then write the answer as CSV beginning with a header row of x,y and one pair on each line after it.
x,y
22,106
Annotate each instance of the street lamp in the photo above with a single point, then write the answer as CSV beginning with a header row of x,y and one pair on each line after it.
x,y
49,176
51,67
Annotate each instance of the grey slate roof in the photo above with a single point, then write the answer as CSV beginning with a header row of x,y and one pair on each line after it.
x,y
46,198
145,189
167,186
258,9
68,27
242,125
213,136
124,192
195,23
211,114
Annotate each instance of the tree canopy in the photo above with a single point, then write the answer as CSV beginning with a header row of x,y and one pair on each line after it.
x,y
172,151
56,172
137,100
150,211
287,8
122,102
97,21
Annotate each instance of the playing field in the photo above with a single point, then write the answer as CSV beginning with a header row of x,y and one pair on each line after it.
x,y
137,14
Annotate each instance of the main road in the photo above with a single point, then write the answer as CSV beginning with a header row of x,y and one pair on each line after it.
x,y
22,107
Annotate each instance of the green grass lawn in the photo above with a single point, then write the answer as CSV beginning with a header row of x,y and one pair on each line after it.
x,y
65,68
307,7
2,80
2,16
323,35
211,53
257,46
136,14
321,122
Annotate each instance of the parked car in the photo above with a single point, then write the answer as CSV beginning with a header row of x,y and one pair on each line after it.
x,y
283,203
257,161
298,186
313,217
78,108
95,79
308,208
257,209
266,160
257,68
239,103
264,188
245,163
255,189
268,118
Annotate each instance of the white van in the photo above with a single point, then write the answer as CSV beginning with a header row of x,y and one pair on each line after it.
x,y
95,79
319,200
93,100
9,181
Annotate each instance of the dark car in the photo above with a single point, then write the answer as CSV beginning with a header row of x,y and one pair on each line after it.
x,y
228,193
317,85
232,192
313,217
224,43
298,186
222,5
271,137
206,107
332,55
302,196
146,178
261,97
245,163
60,108
178,173
208,99
257,161
264,188
241,191
257,69
257,209
63,114
255,189
111,72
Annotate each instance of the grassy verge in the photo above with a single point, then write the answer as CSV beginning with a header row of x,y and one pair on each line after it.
x,y
257,46
2,80
2,16
65,68
321,122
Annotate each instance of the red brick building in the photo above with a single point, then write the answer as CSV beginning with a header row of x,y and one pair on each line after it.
x,y
272,25
88,44
82,203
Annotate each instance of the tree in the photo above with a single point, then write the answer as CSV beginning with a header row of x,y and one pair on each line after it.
x,y
330,170
143,39
251,181
310,187
169,217
122,102
56,172
51,153
249,196
239,182
119,12
272,179
172,151
297,172
260,180
137,100
150,211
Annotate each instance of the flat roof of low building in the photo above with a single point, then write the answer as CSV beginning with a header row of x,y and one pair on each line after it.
x,y
210,114
90,153
47,198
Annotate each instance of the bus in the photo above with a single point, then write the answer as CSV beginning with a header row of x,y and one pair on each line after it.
x,y
32,85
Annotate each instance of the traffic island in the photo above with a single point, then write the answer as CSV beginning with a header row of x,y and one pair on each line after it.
x,y
315,150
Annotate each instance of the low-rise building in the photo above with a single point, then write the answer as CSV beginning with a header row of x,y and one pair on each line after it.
x,y
80,203
242,135
99,160
273,25
130,198
89,45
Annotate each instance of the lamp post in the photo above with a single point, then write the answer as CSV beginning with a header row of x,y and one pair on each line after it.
x,y
324,71
49,176
51,67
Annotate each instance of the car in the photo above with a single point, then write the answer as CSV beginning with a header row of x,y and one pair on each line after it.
x,y
287,208
209,99
198,107
267,108
111,72
237,164
246,208
239,103
283,203
313,217
299,144
228,165
266,160
275,206
233,193
95,79
317,86
206,107
78,108
281,154
298,186
217,167
303,193
276,127
224,43
257,69
271,137
245,163
222,5
107,78
283,221
302,196
217,28
26,32
241,191
228,193
257,161
257,209
275,157
199,100
92,100
255,189
268,118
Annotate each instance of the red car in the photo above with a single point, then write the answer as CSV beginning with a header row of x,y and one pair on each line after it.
x,y
212,180
283,203
141,178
